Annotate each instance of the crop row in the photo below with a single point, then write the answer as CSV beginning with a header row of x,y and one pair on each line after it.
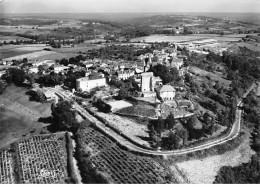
x,y
6,168
42,160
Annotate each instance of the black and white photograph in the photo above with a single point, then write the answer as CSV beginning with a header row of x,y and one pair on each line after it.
x,y
129,92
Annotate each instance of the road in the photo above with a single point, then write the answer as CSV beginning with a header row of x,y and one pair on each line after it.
x,y
130,146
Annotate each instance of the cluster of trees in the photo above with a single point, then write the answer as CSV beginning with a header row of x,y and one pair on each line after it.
x,y
102,106
242,64
126,52
63,116
137,31
167,74
37,96
181,130
128,87
51,79
2,87
16,76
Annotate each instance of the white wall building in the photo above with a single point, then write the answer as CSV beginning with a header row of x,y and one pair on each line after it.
x,y
58,69
86,84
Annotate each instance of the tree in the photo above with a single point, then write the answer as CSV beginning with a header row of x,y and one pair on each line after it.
x,y
102,106
170,121
63,116
2,87
115,81
64,62
17,76
165,73
123,93
39,96
174,141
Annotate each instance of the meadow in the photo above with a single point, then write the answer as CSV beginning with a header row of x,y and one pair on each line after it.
x,y
19,115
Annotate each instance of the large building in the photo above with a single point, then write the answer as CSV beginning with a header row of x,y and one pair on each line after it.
x,y
86,83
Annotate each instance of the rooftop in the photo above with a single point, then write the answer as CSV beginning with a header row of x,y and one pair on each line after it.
x,y
166,88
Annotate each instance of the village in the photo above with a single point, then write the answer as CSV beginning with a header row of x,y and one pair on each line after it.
x,y
151,87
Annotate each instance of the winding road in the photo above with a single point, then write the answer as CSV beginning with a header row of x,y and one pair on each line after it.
x,y
130,146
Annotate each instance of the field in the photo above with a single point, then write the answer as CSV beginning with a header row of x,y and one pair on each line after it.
x,y
100,156
38,159
19,116
187,38
11,38
30,56
115,105
139,111
137,132
8,51
42,160
35,51
179,38
23,29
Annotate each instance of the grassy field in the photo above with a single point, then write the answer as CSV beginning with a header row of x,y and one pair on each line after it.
x,y
8,51
18,115
199,72
29,56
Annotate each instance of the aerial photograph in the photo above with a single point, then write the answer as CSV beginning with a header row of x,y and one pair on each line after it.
x,y
129,91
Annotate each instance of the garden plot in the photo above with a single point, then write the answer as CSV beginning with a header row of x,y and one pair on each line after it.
x,y
135,131
6,167
115,105
42,160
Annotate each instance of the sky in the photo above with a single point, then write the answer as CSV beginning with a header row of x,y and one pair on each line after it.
x,y
104,6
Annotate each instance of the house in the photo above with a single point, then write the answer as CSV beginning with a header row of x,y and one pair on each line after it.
x,y
176,62
125,74
58,69
33,70
166,92
88,83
